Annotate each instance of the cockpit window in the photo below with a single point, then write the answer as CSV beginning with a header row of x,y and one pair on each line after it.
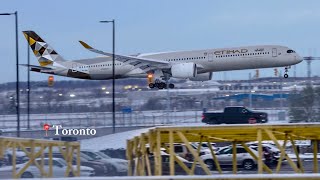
x,y
290,51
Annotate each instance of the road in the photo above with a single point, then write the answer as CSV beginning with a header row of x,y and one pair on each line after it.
x,y
285,168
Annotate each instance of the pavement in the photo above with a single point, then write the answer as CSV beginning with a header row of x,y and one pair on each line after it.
x,y
285,168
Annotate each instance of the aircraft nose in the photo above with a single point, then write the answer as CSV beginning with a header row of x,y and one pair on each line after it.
x,y
298,59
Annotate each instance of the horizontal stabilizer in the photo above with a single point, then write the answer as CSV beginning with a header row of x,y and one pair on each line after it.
x,y
36,67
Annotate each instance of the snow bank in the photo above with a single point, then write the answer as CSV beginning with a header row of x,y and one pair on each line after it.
x,y
112,141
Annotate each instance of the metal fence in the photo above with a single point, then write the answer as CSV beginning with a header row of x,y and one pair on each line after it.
x,y
138,118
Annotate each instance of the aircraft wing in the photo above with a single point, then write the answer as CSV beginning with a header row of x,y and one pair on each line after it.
x,y
144,64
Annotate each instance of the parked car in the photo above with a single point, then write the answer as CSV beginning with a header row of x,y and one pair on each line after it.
x,y
270,153
58,170
205,147
63,138
182,151
21,157
115,153
224,156
234,115
178,169
100,168
205,144
115,166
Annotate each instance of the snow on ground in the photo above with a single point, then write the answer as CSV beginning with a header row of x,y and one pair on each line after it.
x,y
115,141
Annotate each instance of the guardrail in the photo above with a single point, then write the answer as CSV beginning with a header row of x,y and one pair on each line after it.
x,y
140,148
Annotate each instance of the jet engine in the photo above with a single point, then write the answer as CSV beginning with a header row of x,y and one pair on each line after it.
x,y
202,77
184,70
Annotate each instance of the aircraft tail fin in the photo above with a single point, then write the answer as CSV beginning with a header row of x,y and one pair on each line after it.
x,y
45,54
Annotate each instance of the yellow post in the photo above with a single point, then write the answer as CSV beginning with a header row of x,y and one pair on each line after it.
x,y
260,155
297,154
234,157
129,156
30,163
274,139
32,153
39,166
158,163
266,168
136,156
215,159
143,151
43,174
2,147
171,153
198,152
14,160
195,155
315,154
50,161
281,154
148,165
78,161
181,164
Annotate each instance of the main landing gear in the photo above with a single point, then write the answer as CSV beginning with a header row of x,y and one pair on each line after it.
x,y
286,70
160,85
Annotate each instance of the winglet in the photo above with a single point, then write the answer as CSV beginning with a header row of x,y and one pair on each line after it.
x,y
85,45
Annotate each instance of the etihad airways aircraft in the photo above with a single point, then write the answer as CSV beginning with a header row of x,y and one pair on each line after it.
x,y
196,65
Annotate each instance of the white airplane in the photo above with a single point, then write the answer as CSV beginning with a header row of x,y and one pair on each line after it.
x,y
197,65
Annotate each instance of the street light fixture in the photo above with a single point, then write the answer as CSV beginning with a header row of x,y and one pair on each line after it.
x,y
113,75
17,70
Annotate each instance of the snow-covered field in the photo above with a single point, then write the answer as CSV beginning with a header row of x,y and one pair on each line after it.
x,y
112,141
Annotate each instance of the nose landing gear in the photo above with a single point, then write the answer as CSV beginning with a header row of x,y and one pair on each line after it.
x,y
286,70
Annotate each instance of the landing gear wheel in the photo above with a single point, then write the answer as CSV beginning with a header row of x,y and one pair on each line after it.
x,y
151,85
285,75
171,86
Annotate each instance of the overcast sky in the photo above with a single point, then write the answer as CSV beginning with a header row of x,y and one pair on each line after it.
x,y
151,26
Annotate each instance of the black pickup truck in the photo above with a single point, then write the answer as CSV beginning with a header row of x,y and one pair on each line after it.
x,y
235,115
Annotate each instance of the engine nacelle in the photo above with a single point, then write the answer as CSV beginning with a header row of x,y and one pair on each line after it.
x,y
202,77
184,70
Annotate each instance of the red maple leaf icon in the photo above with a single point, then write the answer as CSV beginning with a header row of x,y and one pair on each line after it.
x,y
46,127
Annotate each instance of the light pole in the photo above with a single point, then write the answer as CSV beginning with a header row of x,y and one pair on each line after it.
x,y
113,75
17,70
28,93
250,92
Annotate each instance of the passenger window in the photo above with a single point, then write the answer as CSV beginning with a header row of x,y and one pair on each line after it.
x,y
165,159
227,151
45,162
241,150
244,111
55,163
178,149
